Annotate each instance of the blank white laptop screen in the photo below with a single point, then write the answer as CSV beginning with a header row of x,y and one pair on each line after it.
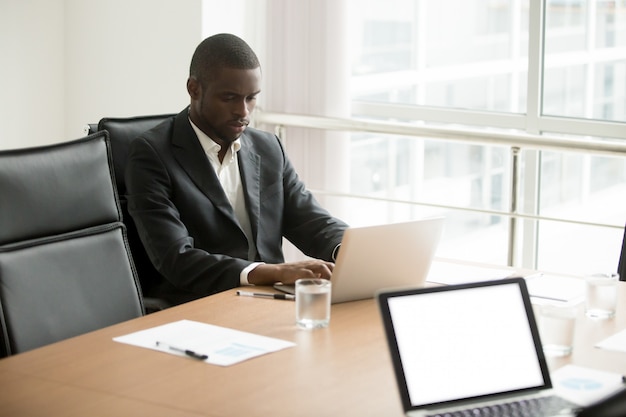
x,y
465,343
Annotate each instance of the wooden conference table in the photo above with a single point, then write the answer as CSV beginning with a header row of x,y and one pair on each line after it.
x,y
342,370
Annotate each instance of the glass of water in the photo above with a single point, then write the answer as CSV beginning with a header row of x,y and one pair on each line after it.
x,y
601,297
313,302
556,327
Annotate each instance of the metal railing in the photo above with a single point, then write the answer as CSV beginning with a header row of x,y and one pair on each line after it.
x,y
514,141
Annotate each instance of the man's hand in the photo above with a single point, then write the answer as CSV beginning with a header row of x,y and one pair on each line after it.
x,y
288,273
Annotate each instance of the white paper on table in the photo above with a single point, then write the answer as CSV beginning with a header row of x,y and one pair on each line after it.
x,y
224,346
584,386
452,273
616,342
556,288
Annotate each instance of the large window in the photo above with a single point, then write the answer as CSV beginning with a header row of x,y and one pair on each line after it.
x,y
422,53
481,64
585,71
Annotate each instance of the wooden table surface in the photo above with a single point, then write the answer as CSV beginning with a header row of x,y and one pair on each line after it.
x,y
344,369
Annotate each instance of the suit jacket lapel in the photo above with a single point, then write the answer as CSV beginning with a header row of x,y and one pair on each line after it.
x,y
190,154
250,170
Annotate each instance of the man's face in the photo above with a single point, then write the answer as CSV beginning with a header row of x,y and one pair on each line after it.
x,y
221,107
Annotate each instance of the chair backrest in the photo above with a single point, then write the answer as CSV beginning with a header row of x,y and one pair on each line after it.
x,y
621,266
121,132
65,265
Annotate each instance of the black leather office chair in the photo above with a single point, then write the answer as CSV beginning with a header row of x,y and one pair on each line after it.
x,y
121,132
65,265
621,268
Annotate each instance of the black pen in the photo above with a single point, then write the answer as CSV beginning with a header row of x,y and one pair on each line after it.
x,y
187,352
267,295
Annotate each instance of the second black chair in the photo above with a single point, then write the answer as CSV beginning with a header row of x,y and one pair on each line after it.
x,y
121,132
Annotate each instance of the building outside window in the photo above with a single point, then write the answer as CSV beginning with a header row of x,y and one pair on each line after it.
x,y
465,63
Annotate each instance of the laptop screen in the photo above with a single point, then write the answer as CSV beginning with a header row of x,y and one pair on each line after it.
x,y
463,341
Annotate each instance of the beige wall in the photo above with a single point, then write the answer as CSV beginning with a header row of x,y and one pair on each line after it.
x,y
65,63
31,72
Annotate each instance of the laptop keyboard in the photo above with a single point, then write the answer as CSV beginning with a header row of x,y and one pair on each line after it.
x,y
532,407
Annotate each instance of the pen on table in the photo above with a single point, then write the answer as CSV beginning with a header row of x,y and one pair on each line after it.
x,y
187,352
267,295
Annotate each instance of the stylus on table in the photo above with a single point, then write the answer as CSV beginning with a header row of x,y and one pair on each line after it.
x,y
267,295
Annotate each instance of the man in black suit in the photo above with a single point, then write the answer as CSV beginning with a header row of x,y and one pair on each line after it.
x,y
213,198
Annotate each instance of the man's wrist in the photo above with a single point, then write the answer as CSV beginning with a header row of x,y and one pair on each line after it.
x,y
243,276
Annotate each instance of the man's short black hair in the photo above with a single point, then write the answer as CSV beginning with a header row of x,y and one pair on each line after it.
x,y
221,51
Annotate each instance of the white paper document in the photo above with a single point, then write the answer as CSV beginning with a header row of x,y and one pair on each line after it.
x,y
448,273
584,386
543,286
556,288
223,346
616,342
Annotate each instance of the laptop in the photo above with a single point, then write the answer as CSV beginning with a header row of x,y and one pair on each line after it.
x,y
467,346
382,256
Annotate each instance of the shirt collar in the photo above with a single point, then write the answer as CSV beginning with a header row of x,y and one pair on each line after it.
x,y
209,145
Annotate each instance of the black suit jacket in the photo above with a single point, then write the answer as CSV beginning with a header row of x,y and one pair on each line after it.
x,y
187,224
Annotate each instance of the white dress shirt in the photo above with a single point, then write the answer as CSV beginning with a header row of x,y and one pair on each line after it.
x,y
228,174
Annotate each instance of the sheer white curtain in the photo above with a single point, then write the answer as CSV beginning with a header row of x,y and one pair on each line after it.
x,y
306,70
